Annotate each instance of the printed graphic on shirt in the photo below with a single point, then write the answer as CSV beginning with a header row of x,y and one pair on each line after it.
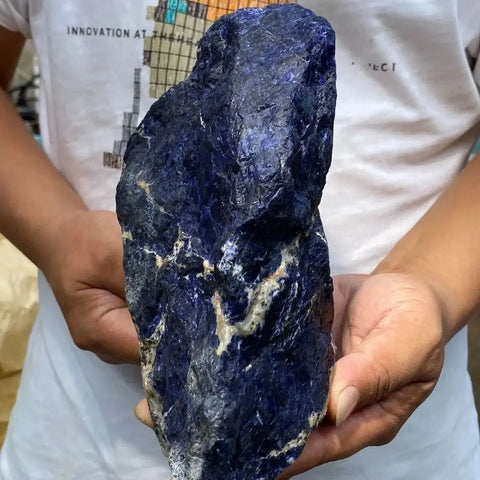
x,y
130,121
171,51
179,24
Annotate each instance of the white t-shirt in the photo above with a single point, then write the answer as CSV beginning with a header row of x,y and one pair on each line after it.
x,y
408,113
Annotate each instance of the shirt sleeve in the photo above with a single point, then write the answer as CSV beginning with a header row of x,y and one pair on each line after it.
x,y
14,16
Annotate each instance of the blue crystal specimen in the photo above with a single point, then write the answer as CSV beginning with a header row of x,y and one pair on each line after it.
x,y
227,272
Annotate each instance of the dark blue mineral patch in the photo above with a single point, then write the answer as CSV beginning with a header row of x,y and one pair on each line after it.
x,y
227,272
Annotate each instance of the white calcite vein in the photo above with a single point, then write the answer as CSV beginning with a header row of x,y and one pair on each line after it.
x,y
259,301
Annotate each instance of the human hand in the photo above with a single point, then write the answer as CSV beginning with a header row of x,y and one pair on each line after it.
x,y
390,347
86,275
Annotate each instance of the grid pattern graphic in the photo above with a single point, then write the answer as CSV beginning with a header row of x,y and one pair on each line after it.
x,y
170,51
130,120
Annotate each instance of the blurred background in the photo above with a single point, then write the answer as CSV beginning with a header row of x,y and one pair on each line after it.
x,y
18,276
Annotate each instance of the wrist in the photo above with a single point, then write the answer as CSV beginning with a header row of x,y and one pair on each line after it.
x,y
58,237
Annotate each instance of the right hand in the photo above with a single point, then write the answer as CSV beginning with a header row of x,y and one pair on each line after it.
x,y
390,332
86,275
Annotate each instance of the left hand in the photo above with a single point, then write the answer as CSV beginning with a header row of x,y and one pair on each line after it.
x,y
390,338
85,271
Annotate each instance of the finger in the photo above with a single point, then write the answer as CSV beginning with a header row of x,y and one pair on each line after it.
x,y
344,287
142,412
110,271
118,338
110,332
374,425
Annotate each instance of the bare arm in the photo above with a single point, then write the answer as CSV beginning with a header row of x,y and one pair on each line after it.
x,y
80,251
35,198
444,248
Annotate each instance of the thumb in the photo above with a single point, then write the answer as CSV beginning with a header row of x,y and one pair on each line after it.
x,y
380,365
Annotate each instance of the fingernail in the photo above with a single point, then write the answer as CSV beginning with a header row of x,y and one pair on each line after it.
x,y
347,401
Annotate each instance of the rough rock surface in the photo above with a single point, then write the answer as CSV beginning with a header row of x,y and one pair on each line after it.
x,y
227,273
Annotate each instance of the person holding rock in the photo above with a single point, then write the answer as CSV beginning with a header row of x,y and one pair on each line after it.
x,y
400,210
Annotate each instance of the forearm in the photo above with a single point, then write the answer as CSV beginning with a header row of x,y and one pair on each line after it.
x,y
444,248
35,200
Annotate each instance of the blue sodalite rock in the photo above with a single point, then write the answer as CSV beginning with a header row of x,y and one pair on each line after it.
x,y
227,272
